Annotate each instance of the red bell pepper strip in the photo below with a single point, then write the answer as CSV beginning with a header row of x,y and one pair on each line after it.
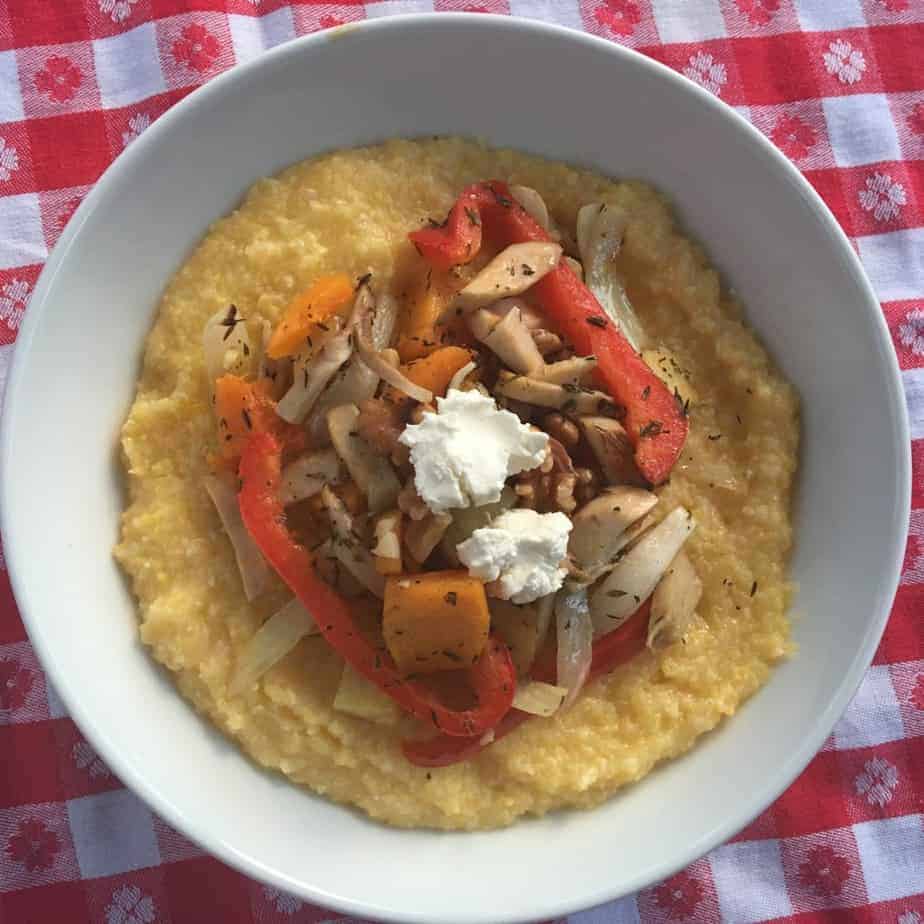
x,y
609,652
492,677
654,419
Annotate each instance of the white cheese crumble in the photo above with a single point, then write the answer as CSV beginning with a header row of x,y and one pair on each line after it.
x,y
463,454
520,553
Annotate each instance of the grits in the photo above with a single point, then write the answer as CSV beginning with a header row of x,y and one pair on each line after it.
x,y
351,211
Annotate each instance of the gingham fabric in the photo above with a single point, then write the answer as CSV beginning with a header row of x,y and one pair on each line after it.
x,y
838,85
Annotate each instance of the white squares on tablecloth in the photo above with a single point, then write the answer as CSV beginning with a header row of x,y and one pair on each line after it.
x,y
252,35
394,7
56,707
11,97
861,129
749,881
825,15
913,380
675,24
873,716
622,911
113,833
21,239
563,12
894,263
892,856
128,67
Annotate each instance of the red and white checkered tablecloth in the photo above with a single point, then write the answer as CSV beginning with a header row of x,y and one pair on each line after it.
x,y
837,84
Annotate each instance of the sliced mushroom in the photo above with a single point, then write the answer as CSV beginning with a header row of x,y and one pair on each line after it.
x,y
674,602
599,528
422,536
529,315
636,575
533,203
348,547
566,371
372,473
508,337
305,477
514,270
613,449
568,398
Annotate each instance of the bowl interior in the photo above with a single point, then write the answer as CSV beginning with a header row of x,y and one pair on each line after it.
x,y
550,92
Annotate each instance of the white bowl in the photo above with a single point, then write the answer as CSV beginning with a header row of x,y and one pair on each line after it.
x,y
553,92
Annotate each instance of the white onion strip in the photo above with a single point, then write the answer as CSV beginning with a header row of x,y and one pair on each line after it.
x,y
383,369
250,561
271,643
575,632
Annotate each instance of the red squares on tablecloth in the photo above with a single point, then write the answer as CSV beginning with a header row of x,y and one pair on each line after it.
x,y
906,324
843,62
774,69
880,198
270,905
64,902
898,52
16,173
138,897
69,150
113,17
903,640
815,800
47,22
827,183
204,890
30,764
16,286
82,771
711,65
11,627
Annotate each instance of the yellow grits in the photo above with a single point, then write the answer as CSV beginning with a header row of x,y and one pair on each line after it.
x,y
351,211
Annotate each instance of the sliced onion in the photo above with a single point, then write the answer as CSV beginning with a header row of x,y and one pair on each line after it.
x,y
600,230
250,562
348,548
271,643
575,632
383,369
305,477
538,698
226,345
459,378
532,203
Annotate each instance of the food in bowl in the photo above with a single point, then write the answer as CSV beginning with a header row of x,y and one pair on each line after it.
x,y
458,499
